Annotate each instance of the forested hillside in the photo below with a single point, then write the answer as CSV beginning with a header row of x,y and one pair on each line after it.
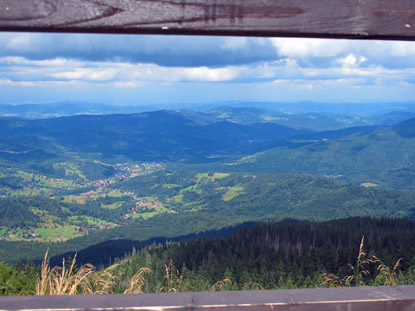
x,y
284,255
313,119
347,252
150,136
382,156
174,204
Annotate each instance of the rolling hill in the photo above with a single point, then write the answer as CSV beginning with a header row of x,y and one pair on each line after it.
x,y
383,156
150,136
197,202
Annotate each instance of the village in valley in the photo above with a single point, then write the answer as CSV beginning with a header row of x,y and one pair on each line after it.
x,y
126,171
116,205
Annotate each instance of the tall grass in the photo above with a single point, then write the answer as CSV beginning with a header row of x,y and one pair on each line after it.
x,y
223,285
173,279
360,270
386,274
137,282
69,280
62,280
99,282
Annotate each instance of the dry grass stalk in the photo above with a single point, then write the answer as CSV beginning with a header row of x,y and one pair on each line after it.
x,y
251,285
136,283
387,274
223,285
359,271
173,277
42,287
332,281
100,282
66,281
62,280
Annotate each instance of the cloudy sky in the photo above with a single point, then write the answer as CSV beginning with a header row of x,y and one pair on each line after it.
x,y
132,69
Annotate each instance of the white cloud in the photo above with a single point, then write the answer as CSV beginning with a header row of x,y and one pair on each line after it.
x,y
209,74
87,74
349,61
318,83
17,60
9,82
277,67
344,81
45,83
128,84
154,72
303,48
348,70
394,48
107,71
127,75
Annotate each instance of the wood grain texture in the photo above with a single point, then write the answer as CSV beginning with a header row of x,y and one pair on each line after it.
x,y
385,298
380,19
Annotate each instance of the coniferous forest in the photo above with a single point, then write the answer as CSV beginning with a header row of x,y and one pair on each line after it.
x,y
290,254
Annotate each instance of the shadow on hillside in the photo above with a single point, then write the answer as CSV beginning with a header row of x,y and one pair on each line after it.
x,y
106,253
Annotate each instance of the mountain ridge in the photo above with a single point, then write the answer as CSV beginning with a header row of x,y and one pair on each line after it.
x,y
160,135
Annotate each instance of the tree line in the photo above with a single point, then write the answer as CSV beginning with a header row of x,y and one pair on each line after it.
x,y
291,254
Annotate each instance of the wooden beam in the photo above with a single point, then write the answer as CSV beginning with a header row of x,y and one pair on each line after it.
x,y
367,19
385,298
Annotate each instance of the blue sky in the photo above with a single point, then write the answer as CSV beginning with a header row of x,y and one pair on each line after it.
x,y
142,70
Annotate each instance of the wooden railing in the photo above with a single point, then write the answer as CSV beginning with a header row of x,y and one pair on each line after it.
x,y
368,19
399,298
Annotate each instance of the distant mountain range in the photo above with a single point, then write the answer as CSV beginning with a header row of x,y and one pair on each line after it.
x,y
374,149
304,115
315,121
150,136
60,109
359,109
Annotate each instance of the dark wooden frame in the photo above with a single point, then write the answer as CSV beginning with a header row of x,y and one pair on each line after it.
x,y
358,19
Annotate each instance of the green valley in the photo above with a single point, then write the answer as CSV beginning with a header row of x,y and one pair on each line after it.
x,y
173,203
66,195
41,208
